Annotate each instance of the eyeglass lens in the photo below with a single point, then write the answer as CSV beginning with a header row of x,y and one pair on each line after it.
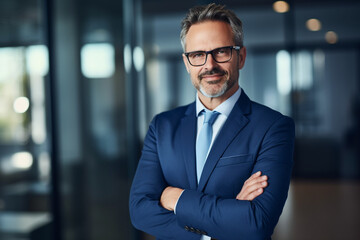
x,y
219,55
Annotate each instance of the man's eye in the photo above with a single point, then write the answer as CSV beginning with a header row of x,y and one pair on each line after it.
x,y
197,55
220,51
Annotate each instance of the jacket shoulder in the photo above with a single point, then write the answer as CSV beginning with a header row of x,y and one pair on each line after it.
x,y
175,113
173,116
263,112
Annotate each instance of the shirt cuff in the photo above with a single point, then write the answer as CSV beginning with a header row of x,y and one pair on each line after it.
x,y
177,202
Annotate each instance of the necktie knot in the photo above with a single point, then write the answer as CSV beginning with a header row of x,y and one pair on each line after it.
x,y
210,116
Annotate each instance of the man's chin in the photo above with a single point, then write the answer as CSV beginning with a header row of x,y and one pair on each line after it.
x,y
212,94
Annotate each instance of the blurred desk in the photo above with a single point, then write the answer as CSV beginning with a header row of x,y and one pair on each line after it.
x,y
19,225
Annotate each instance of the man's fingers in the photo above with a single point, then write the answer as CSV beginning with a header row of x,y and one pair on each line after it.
x,y
253,187
254,194
255,180
257,174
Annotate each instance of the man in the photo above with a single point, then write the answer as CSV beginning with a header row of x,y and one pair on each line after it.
x,y
236,186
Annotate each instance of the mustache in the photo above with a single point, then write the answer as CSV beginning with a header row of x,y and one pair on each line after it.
x,y
212,72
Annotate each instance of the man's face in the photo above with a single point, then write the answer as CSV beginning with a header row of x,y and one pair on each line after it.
x,y
213,79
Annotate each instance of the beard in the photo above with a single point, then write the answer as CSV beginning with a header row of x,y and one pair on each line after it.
x,y
219,93
214,93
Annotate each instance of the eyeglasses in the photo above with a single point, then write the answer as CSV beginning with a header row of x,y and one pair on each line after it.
x,y
220,55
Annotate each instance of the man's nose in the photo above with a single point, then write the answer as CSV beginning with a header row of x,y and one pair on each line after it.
x,y
210,62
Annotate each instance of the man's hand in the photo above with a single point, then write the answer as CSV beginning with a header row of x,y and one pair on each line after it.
x,y
169,197
253,187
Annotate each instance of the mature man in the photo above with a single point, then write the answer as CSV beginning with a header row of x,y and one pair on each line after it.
x,y
220,167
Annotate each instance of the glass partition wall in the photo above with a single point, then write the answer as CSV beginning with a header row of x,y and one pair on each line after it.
x,y
70,73
25,159
98,108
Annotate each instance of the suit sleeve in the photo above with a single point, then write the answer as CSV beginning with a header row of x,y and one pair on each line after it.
x,y
145,211
228,219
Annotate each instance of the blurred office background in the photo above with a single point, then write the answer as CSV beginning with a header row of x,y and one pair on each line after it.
x,y
80,81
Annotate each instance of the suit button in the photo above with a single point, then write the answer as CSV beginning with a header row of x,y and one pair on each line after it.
x,y
198,231
187,228
192,229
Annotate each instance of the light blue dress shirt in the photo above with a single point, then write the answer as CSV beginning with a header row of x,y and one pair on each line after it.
x,y
224,109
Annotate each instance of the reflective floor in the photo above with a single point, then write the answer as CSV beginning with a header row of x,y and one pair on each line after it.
x,y
321,210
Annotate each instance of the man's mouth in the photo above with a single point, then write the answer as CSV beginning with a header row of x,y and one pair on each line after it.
x,y
212,76
211,80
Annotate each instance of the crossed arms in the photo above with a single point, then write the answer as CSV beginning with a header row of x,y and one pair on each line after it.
x,y
252,214
253,187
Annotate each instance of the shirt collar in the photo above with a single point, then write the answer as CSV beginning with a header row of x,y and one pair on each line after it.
x,y
224,108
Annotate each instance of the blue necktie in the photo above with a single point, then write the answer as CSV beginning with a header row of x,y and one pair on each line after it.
x,y
204,141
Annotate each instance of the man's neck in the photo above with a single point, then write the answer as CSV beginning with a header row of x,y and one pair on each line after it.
x,y
212,102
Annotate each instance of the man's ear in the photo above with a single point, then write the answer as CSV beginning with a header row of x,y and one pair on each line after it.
x,y
242,57
186,62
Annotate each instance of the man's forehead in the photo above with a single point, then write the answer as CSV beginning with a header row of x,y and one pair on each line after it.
x,y
209,35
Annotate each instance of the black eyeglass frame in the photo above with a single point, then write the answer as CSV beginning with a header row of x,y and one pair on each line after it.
x,y
237,48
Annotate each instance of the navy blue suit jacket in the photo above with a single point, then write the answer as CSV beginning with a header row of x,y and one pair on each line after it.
x,y
253,138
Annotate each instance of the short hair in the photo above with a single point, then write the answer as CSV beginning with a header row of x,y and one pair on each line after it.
x,y
212,12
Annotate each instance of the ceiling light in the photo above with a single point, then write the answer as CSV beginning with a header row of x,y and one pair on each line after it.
x,y
313,24
281,6
331,37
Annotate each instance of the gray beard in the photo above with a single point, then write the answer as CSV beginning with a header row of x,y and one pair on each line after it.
x,y
220,93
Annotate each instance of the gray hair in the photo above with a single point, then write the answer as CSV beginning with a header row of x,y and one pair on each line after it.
x,y
212,12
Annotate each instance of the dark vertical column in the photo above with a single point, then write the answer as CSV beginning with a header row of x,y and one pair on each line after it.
x,y
131,84
357,113
174,81
290,45
130,19
54,153
290,27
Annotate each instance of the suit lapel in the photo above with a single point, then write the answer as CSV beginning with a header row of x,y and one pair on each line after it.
x,y
187,129
233,125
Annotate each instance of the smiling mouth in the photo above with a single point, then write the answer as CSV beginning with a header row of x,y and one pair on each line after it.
x,y
212,76
212,81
